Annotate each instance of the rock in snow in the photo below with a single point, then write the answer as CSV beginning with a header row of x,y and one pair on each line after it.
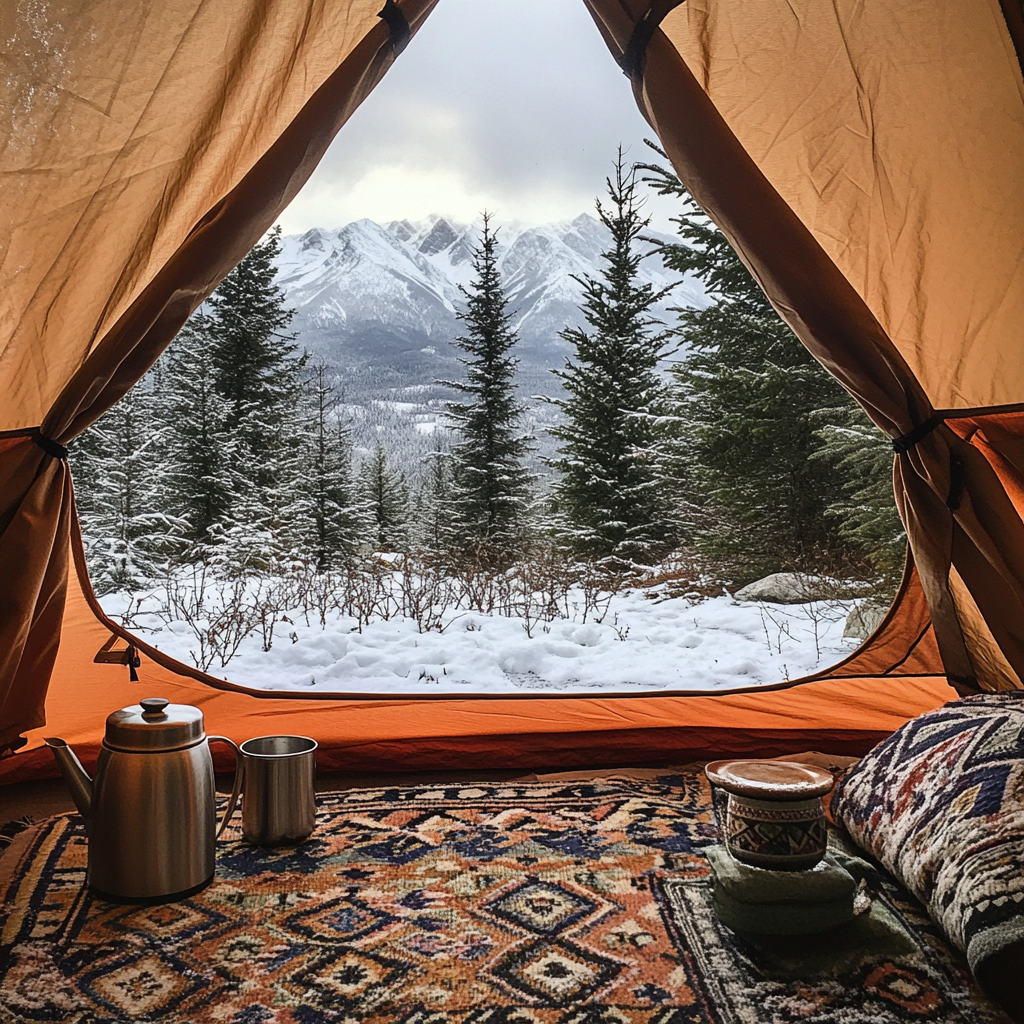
x,y
865,618
787,588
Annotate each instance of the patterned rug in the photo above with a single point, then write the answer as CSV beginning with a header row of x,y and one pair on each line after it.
x,y
518,903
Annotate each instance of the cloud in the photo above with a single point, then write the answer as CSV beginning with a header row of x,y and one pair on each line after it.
x,y
511,105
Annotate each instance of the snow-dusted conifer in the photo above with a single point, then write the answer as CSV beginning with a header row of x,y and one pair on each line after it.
x,y
611,495
387,496
749,401
434,528
259,375
865,512
126,527
491,483
255,362
336,519
200,450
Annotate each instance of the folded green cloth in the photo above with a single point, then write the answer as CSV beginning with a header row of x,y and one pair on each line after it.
x,y
825,882
761,902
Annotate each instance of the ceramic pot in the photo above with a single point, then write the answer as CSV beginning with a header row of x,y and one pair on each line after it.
x,y
781,835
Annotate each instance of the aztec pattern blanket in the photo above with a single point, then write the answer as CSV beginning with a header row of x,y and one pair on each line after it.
x,y
941,804
518,903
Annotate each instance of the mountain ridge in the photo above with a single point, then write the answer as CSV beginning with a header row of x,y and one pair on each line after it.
x,y
386,295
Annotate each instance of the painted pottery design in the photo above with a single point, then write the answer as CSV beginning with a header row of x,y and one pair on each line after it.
x,y
781,835
774,818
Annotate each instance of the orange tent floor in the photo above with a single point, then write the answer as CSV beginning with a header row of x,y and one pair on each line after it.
x,y
838,716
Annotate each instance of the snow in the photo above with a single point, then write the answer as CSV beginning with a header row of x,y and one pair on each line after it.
x,y
637,645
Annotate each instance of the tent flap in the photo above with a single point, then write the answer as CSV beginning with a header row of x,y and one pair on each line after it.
x,y
873,198
139,168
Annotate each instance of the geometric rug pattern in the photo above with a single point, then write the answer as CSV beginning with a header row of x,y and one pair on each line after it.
x,y
512,903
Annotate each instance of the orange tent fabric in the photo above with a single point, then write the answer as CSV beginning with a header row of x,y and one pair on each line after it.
x,y
863,159
144,154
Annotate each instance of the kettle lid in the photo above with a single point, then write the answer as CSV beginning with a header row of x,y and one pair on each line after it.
x,y
154,724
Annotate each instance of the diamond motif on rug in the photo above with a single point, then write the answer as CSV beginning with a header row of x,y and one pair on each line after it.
x,y
139,983
345,919
346,978
555,973
544,908
181,923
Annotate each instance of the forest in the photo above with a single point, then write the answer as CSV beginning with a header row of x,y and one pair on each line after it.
x,y
222,497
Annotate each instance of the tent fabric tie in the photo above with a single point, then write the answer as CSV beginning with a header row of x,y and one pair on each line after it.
x,y
919,433
633,57
957,467
51,447
398,25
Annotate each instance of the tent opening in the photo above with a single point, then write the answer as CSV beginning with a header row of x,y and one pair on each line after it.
x,y
284,501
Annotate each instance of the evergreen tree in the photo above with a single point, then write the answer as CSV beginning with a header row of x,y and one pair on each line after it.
x,y
255,363
491,481
435,529
336,520
865,513
201,451
117,466
387,497
749,402
259,376
611,493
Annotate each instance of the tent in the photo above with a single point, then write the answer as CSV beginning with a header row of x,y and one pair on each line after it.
x,y
864,159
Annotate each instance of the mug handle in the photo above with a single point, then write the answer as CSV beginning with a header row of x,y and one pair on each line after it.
x,y
237,788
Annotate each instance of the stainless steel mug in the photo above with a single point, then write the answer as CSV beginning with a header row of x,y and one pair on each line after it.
x,y
278,799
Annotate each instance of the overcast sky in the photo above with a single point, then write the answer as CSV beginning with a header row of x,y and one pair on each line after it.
x,y
515,106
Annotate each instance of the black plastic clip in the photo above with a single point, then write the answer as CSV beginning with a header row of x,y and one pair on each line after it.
x,y
634,56
919,433
108,655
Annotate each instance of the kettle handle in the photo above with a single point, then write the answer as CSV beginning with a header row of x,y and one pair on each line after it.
x,y
237,788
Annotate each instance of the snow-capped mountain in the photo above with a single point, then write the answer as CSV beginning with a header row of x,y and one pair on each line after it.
x,y
379,301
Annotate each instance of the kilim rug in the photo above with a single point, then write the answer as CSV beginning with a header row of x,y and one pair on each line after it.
x,y
518,903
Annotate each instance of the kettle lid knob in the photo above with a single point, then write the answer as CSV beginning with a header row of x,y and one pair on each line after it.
x,y
153,706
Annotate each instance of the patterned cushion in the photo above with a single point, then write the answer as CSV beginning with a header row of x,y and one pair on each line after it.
x,y
941,804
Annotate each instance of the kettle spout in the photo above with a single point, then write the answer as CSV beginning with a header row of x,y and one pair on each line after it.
x,y
75,777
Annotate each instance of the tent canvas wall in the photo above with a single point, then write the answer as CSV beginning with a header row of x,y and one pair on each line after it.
x,y
864,159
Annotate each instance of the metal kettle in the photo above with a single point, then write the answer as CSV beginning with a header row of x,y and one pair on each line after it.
x,y
151,810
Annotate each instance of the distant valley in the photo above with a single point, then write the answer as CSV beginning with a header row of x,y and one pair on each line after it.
x,y
377,303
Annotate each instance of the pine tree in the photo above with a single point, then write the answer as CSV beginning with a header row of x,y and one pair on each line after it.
x,y
255,364
865,513
387,496
749,401
491,481
336,521
258,373
611,492
201,450
435,529
117,465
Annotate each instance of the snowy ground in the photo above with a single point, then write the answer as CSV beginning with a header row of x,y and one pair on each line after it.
x,y
640,645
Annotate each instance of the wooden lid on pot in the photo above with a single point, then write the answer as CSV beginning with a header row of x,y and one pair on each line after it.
x,y
770,780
